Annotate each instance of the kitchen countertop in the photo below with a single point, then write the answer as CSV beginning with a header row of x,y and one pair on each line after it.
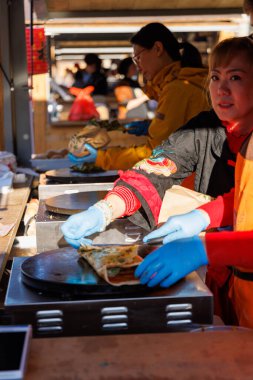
x,y
206,355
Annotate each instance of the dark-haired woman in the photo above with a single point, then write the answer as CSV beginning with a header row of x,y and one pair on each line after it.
x,y
94,76
175,78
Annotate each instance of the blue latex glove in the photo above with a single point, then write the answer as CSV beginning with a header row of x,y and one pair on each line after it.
x,y
83,224
87,159
180,226
171,262
138,128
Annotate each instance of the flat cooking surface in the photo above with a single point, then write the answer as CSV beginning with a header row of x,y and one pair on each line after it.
x,y
63,271
69,204
183,306
66,175
18,294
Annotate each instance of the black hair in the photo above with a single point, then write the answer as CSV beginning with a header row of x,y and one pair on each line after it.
x,y
155,31
78,75
191,57
93,59
124,65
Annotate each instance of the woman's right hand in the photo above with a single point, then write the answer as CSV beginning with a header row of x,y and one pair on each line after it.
x,y
83,224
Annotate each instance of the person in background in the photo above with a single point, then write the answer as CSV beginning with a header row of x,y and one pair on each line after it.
x,y
231,90
78,79
131,99
93,75
127,69
175,78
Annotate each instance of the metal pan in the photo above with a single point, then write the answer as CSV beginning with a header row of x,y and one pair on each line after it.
x,y
69,204
67,176
63,272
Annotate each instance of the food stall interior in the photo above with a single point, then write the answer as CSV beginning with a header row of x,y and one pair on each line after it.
x,y
73,29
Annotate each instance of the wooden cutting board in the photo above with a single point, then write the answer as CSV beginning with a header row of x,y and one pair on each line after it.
x,y
69,204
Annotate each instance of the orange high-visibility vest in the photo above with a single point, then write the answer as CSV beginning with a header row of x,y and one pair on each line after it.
x,y
241,291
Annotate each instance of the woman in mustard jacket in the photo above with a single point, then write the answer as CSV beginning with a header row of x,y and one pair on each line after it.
x,y
175,80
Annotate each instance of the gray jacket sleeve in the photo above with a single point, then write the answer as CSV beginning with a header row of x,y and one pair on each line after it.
x,y
190,149
183,150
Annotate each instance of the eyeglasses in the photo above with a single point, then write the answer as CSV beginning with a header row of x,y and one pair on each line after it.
x,y
136,57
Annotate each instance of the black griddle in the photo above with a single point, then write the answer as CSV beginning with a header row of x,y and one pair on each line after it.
x,y
62,271
66,175
183,307
69,204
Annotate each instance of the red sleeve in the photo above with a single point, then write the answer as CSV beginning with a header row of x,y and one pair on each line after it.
x,y
220,210
230,248
132,203
144,188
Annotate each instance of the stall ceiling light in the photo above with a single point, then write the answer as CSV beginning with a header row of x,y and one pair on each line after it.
x,y
99,50
50,31
79,57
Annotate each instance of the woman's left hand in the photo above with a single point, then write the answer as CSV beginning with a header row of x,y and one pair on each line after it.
x,y
171,262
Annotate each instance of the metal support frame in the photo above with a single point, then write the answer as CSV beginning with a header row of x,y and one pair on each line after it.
x,y
17,120
4,47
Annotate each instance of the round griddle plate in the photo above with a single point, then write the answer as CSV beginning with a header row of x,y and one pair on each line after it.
x,y
69,204
62,271
66,175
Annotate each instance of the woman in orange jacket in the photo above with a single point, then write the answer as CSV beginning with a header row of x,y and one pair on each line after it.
x,y
231,89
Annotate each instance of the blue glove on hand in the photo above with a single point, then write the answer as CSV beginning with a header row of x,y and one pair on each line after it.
x,y
83,224
171,262
138,128
181,226
86,159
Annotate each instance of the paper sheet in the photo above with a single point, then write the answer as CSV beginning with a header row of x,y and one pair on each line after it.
x,y
179,200
5,229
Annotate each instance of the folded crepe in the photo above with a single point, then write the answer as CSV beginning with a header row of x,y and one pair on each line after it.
x,y
115,264
91,134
